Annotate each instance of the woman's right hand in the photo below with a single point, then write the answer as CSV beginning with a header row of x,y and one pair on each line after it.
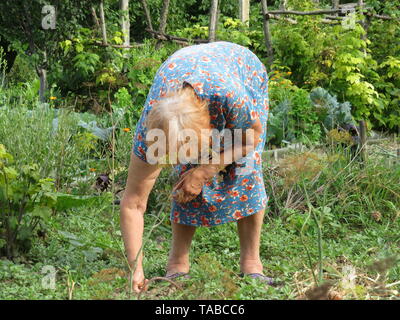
x,y
139,282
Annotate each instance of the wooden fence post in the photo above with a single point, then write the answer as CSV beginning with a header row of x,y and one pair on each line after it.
x,y
125,24
212,29
363,140
163,20
244,11
283,5
267,34
103,23
335,5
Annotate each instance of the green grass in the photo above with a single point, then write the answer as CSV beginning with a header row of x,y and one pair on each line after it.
x,y
214,259
326,215
93,258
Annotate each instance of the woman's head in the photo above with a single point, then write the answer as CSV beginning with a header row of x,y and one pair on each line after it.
x,y
182,116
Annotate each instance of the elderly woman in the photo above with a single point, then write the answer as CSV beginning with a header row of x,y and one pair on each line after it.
x,y
220,86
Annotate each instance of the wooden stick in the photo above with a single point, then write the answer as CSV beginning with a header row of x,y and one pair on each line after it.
x,y
103,23
267,33
163,20
212,29
333,17
328,11
244,11
283,5
101,44
125,23
95,19
373,15
335,6
164,16
306,13
275,17
363,140
147,14
294,21
167,37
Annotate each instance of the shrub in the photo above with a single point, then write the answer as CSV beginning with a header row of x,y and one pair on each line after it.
x,y
292,117
25,202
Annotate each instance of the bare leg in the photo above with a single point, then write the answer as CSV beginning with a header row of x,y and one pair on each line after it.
x,y
178,260
249,230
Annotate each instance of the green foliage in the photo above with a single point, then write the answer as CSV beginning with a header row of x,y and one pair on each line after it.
x,y
25,202
292,117
351,65
229,29
389,86
69,201
343,61
51,213
64,144
88,70
332,113
292,44
95,73
22,27
142,67
21,72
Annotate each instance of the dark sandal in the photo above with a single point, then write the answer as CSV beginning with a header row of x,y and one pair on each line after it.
x,y
270,281
178,275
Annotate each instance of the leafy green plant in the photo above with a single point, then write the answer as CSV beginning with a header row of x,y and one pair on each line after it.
x,y
332,113
351,66
293,119
25,201
389,88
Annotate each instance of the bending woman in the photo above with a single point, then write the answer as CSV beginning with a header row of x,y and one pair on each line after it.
x,y
220,86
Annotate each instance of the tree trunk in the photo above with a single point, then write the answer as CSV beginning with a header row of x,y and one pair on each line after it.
x,y
363,140
163,20
244,11
212,29
283,5
317,3
42,73
267,33
95,19
335,5
103,23
125,24
147,13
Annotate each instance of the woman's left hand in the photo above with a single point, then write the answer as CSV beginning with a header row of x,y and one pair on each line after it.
x,y
191,183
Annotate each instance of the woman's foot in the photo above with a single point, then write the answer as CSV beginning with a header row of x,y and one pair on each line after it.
x,y
251,266
263,278
177,268
176,275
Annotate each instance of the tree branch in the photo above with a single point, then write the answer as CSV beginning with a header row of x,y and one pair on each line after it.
x,y
166,37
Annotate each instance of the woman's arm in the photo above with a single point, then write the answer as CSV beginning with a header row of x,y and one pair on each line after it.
x,y
141,179
192,182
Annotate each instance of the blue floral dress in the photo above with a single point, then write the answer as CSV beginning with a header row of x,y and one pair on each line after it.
x,y
235,83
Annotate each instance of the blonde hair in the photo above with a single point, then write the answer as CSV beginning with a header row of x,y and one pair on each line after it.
x,y
179,110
